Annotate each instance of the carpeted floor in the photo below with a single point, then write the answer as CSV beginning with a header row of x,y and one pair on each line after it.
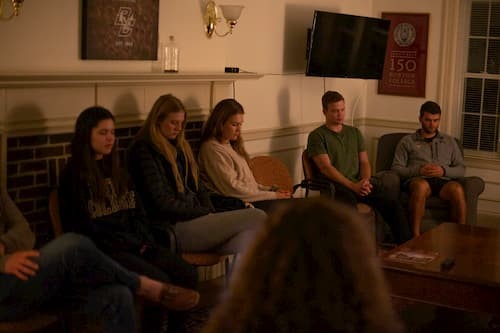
x,y
210,292
197,319
417,317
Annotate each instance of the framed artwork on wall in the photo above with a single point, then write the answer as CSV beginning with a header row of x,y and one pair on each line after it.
x,y
405,63
120,29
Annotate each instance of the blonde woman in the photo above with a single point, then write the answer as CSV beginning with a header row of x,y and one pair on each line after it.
x,y
223,159
166,175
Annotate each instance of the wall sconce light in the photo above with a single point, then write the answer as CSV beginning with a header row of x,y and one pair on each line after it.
x,y
230,12
16,8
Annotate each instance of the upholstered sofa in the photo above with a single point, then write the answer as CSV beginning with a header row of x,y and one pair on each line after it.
x,y
436,209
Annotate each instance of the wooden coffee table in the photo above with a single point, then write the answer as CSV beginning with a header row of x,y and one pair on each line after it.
x,y
472,284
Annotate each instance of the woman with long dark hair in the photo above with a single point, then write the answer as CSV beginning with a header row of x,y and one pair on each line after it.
x,y
224,162
98,200
166,175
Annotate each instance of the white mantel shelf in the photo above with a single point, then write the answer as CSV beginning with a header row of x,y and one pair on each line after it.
x,y
28,80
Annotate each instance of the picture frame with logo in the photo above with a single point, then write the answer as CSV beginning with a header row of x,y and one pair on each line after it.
x,y
120,29
405,64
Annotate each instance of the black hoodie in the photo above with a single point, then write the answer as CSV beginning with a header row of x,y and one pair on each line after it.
x,y
117,224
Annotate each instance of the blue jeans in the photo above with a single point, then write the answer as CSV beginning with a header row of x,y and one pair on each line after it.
x,y
72,271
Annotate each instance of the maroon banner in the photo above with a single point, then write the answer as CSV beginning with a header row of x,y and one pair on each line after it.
x,y
406,55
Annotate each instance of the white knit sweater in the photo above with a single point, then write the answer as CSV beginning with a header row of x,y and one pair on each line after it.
x,y
227,173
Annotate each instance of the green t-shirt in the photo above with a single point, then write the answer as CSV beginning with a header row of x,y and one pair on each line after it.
x,y
343,148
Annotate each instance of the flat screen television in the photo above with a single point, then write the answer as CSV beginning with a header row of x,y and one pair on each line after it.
x,y
349,46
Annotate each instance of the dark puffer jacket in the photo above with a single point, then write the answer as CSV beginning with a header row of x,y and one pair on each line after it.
x,y
155,182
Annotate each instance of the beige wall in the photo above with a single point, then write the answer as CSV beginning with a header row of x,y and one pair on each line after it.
x,y
269,39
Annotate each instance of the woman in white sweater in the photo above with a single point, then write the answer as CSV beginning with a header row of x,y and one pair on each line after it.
x,y
223,161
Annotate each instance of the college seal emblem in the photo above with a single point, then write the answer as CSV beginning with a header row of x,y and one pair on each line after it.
x,y
404,34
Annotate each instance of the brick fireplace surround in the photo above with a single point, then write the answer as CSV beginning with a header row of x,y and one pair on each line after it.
x,y
35,162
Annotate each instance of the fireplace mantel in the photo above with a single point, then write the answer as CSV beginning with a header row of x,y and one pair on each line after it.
x,y
32,103
28,80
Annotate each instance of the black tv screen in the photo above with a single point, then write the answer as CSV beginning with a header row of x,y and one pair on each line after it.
x,y
347,46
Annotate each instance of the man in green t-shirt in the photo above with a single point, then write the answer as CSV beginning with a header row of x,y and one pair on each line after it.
x,y
339,153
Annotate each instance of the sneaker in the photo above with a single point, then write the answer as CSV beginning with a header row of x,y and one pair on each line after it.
x,y
178,298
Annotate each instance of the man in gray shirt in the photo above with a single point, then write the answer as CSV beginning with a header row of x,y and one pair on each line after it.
x,y
428,163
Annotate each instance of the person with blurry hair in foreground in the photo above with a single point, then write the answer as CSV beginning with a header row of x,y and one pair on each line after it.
x,y
311,269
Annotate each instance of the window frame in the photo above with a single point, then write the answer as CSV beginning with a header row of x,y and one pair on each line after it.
x,y
474,153
453,72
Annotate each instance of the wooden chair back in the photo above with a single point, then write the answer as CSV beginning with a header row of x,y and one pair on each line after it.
x,y
308,166
270,171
